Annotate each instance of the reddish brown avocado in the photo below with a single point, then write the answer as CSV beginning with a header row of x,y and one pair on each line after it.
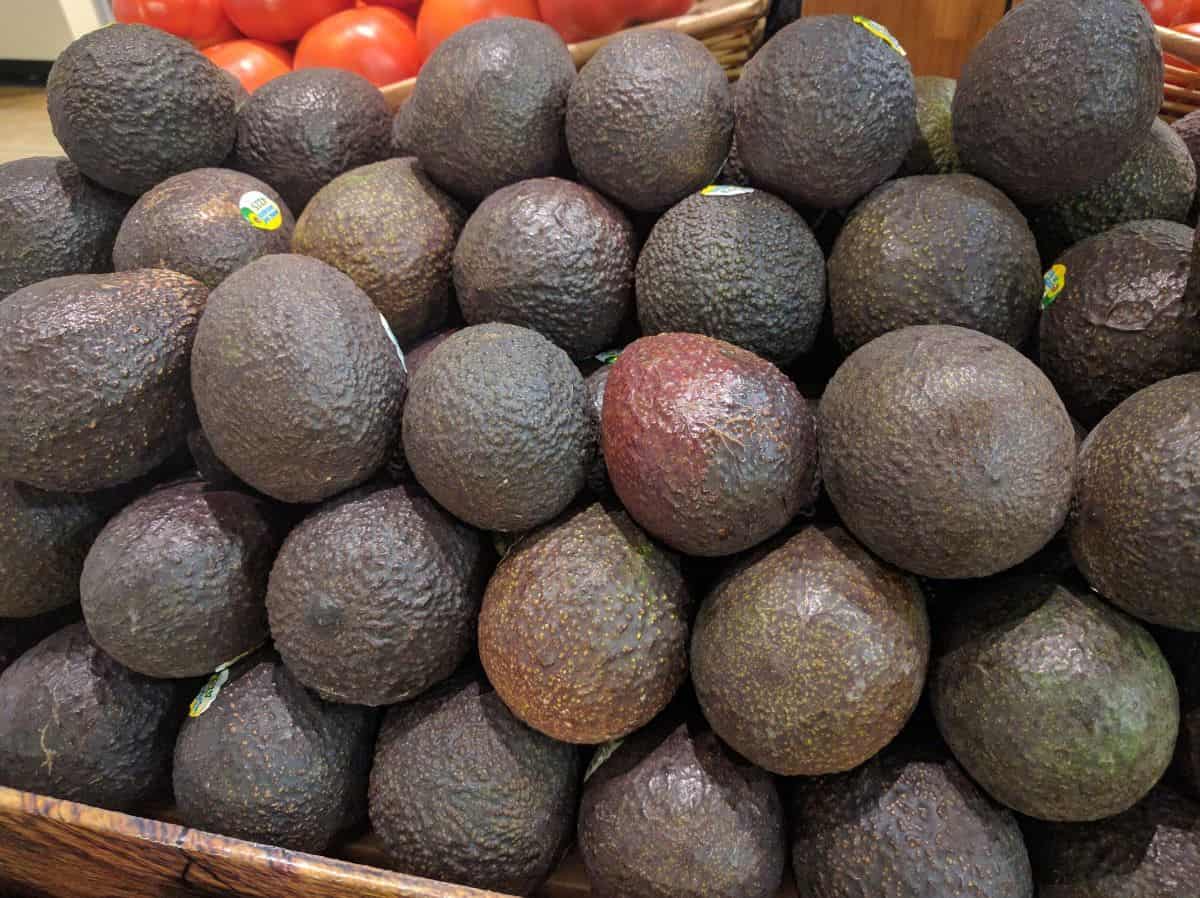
x,y
94,377
682,802
175,585
75,724
809,656
194,223
1060,706
711,448
946,452
306,782
297,381
1135,526
462,791
617,652
374,597
907,824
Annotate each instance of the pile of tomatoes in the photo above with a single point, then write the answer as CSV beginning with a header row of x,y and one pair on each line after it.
x,y
1184,16
383,40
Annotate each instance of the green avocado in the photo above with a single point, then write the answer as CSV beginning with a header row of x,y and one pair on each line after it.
x,y
933,152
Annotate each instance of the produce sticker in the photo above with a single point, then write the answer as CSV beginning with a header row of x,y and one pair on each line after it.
x,y
260,210
1055,282
725,190
880,32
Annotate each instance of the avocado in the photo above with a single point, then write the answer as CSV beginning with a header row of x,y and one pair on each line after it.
x,y
744,268
826,111
1059,706
1134,530
946,452
374,597
551,256
76,725
405,136
1123,320
324,380
809,655
175,585
94,377
650,119
301,130
414,358
198,223
617,651
489,106
1188,128
597,477
506,451
18,635
711,448
907,824
1084,74
1157,182
392,231
133,105
933,152
204,459
1150,851
54,222
44,538
935,249
681,802
304,778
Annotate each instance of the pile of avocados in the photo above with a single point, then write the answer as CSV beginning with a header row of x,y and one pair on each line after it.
x,y
728,481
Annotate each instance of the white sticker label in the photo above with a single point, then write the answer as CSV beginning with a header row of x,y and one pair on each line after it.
x,y
260,210
603,753
725,190
388,330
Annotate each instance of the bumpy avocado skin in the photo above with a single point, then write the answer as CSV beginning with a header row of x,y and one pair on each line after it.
x,y
94,377
414,358
374,597
597,478
393,232
907,824
303,129
745,269
133,105
826,111
957,431
618,650
175,585
650,119
44,538
687,804
54,222
1157,182
193,223
490,109
1135,525
1060,706
935,249
308,784
307,347
462,791
507,451
406,140
1188,128
76,725
795,686
1048,72
711,448
1124,320
551,256
933,152
1150,851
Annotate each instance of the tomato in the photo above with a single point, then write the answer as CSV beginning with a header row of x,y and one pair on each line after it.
x,y
580,20
280,21
253,63
223,34
439,19
202,22
1192,28
376,42
406,6
1173,12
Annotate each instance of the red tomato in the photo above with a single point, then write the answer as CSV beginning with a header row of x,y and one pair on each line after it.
x,y
580,20
1192,28
376,42
408,6
225,33
200,21
439,19
1173,12
253,63
280,21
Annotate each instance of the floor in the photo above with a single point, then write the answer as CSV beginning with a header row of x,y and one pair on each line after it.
x,y
24,125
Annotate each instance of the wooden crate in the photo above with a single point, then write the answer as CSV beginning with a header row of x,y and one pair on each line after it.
x,y
731,29
1181,93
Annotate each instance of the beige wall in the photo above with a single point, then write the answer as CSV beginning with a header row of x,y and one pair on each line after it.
x,y
40,29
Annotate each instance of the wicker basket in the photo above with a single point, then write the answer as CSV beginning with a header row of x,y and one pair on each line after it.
x,y
732,29
1181,93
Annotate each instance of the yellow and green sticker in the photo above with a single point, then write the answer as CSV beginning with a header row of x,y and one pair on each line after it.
x,y
1055,282
725,190
209,692
880,32
260,210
